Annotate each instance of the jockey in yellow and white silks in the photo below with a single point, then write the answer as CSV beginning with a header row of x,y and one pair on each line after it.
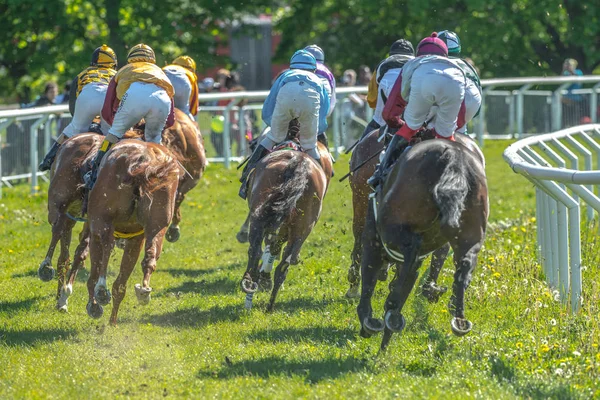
x,y
182,74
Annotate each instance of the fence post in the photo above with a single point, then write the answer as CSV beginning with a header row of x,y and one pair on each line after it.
x,y
557,107
33,151
520,111
3,125
242,126
227,134
481,120
336,127
594,103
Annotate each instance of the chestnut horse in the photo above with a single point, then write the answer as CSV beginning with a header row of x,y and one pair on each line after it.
x,y
435,194
134,197
66,194
285,199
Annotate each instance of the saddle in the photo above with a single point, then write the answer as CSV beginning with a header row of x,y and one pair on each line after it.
x,y
288,145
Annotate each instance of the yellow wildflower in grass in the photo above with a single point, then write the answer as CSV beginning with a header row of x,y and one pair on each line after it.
x,y
496,275
519,345
10,250
545,348
523,229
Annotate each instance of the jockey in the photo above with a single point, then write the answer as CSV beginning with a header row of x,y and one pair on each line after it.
x,y
428,80
139,90
472,101
328,80
383,80
88,90
297,93
182,74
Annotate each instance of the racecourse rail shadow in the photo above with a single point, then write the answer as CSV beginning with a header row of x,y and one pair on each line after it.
x,y
197,272
11,307
323,334
31,337
206,287
314,371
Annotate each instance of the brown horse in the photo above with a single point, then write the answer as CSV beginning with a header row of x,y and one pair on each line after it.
x,y
368,146
285,199
435,194
66,194
134,197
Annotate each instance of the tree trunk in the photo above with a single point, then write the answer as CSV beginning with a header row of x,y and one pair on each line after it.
x,y
115,36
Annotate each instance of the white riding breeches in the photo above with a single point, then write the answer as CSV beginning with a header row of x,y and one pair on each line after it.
x,y
183,89
147,101
440,85
88,106
295,100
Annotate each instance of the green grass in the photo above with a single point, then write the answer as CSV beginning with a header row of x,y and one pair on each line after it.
x,y
196,340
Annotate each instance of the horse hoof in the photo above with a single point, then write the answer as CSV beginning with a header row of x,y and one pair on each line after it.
x,y
248,286
62,308
248,301
173,234
382,275
433,292
143,294
102,295
94,310
372,326
45,271
265,284
461,326
120,243
242,237
394,321
353,292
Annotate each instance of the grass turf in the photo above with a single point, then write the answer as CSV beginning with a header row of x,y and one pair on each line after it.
x,y
196,340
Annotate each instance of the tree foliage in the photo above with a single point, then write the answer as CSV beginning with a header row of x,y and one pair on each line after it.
x,y
504,38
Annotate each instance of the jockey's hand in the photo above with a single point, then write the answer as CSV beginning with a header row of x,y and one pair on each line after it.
x,y
396,122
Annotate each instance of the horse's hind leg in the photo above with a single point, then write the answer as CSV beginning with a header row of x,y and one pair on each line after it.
x,y
274,244
400,288
242,235
173,233
131,253
63,258
45,271
430,289
290,257
101,244
354,270
154,242
465,260
371,264
249,283
79,257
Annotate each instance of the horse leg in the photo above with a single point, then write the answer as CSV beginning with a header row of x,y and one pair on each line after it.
x,y
173,233
131,253
465,260
78,259
63,258
45,270
371,264
272,252
404,280
430,289
242,235
290,257
249,283
100,247
354,270
154,242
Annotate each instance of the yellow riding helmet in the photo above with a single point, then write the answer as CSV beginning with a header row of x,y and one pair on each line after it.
x,y
104,56
141,53
186,62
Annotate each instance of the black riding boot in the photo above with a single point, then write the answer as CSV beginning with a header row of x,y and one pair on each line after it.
x,y
91,176
322,137
393,151
46,164
256,156
95,127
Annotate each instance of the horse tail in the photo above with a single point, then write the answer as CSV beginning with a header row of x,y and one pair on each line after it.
x,y
282,199
152,169
451,190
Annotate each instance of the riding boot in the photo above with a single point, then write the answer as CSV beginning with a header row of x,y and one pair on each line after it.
x,y
91,176
46,164
256,156
393,151
95,128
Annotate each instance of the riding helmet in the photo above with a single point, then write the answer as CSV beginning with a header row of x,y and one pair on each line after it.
x,y
104,56
317,52
141,53
186,62
302,59
402,46
432,45
452,41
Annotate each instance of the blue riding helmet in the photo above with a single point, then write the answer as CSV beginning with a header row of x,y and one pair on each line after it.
x,y
452,41
302,59
316,51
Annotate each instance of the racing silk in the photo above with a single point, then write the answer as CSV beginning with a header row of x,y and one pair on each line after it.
x,y
393,62
397,100
298,75
468,70
194,82
92,74
143,72
329,81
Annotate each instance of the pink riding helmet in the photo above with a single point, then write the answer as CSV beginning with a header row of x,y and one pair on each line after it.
x,y
432,45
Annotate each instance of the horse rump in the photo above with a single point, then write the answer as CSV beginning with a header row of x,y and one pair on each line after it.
x,y
281,199
149,170
452,188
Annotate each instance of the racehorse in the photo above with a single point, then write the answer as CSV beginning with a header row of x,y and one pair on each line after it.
x,y
362,154
134,197
66,194
436,193
285,199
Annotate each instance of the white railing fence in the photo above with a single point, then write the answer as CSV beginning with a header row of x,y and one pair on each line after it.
x,y
509,109
561,166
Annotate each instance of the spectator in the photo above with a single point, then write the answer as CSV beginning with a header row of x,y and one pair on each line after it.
x,y
47,99
573,105
63,98
364,75
351,130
